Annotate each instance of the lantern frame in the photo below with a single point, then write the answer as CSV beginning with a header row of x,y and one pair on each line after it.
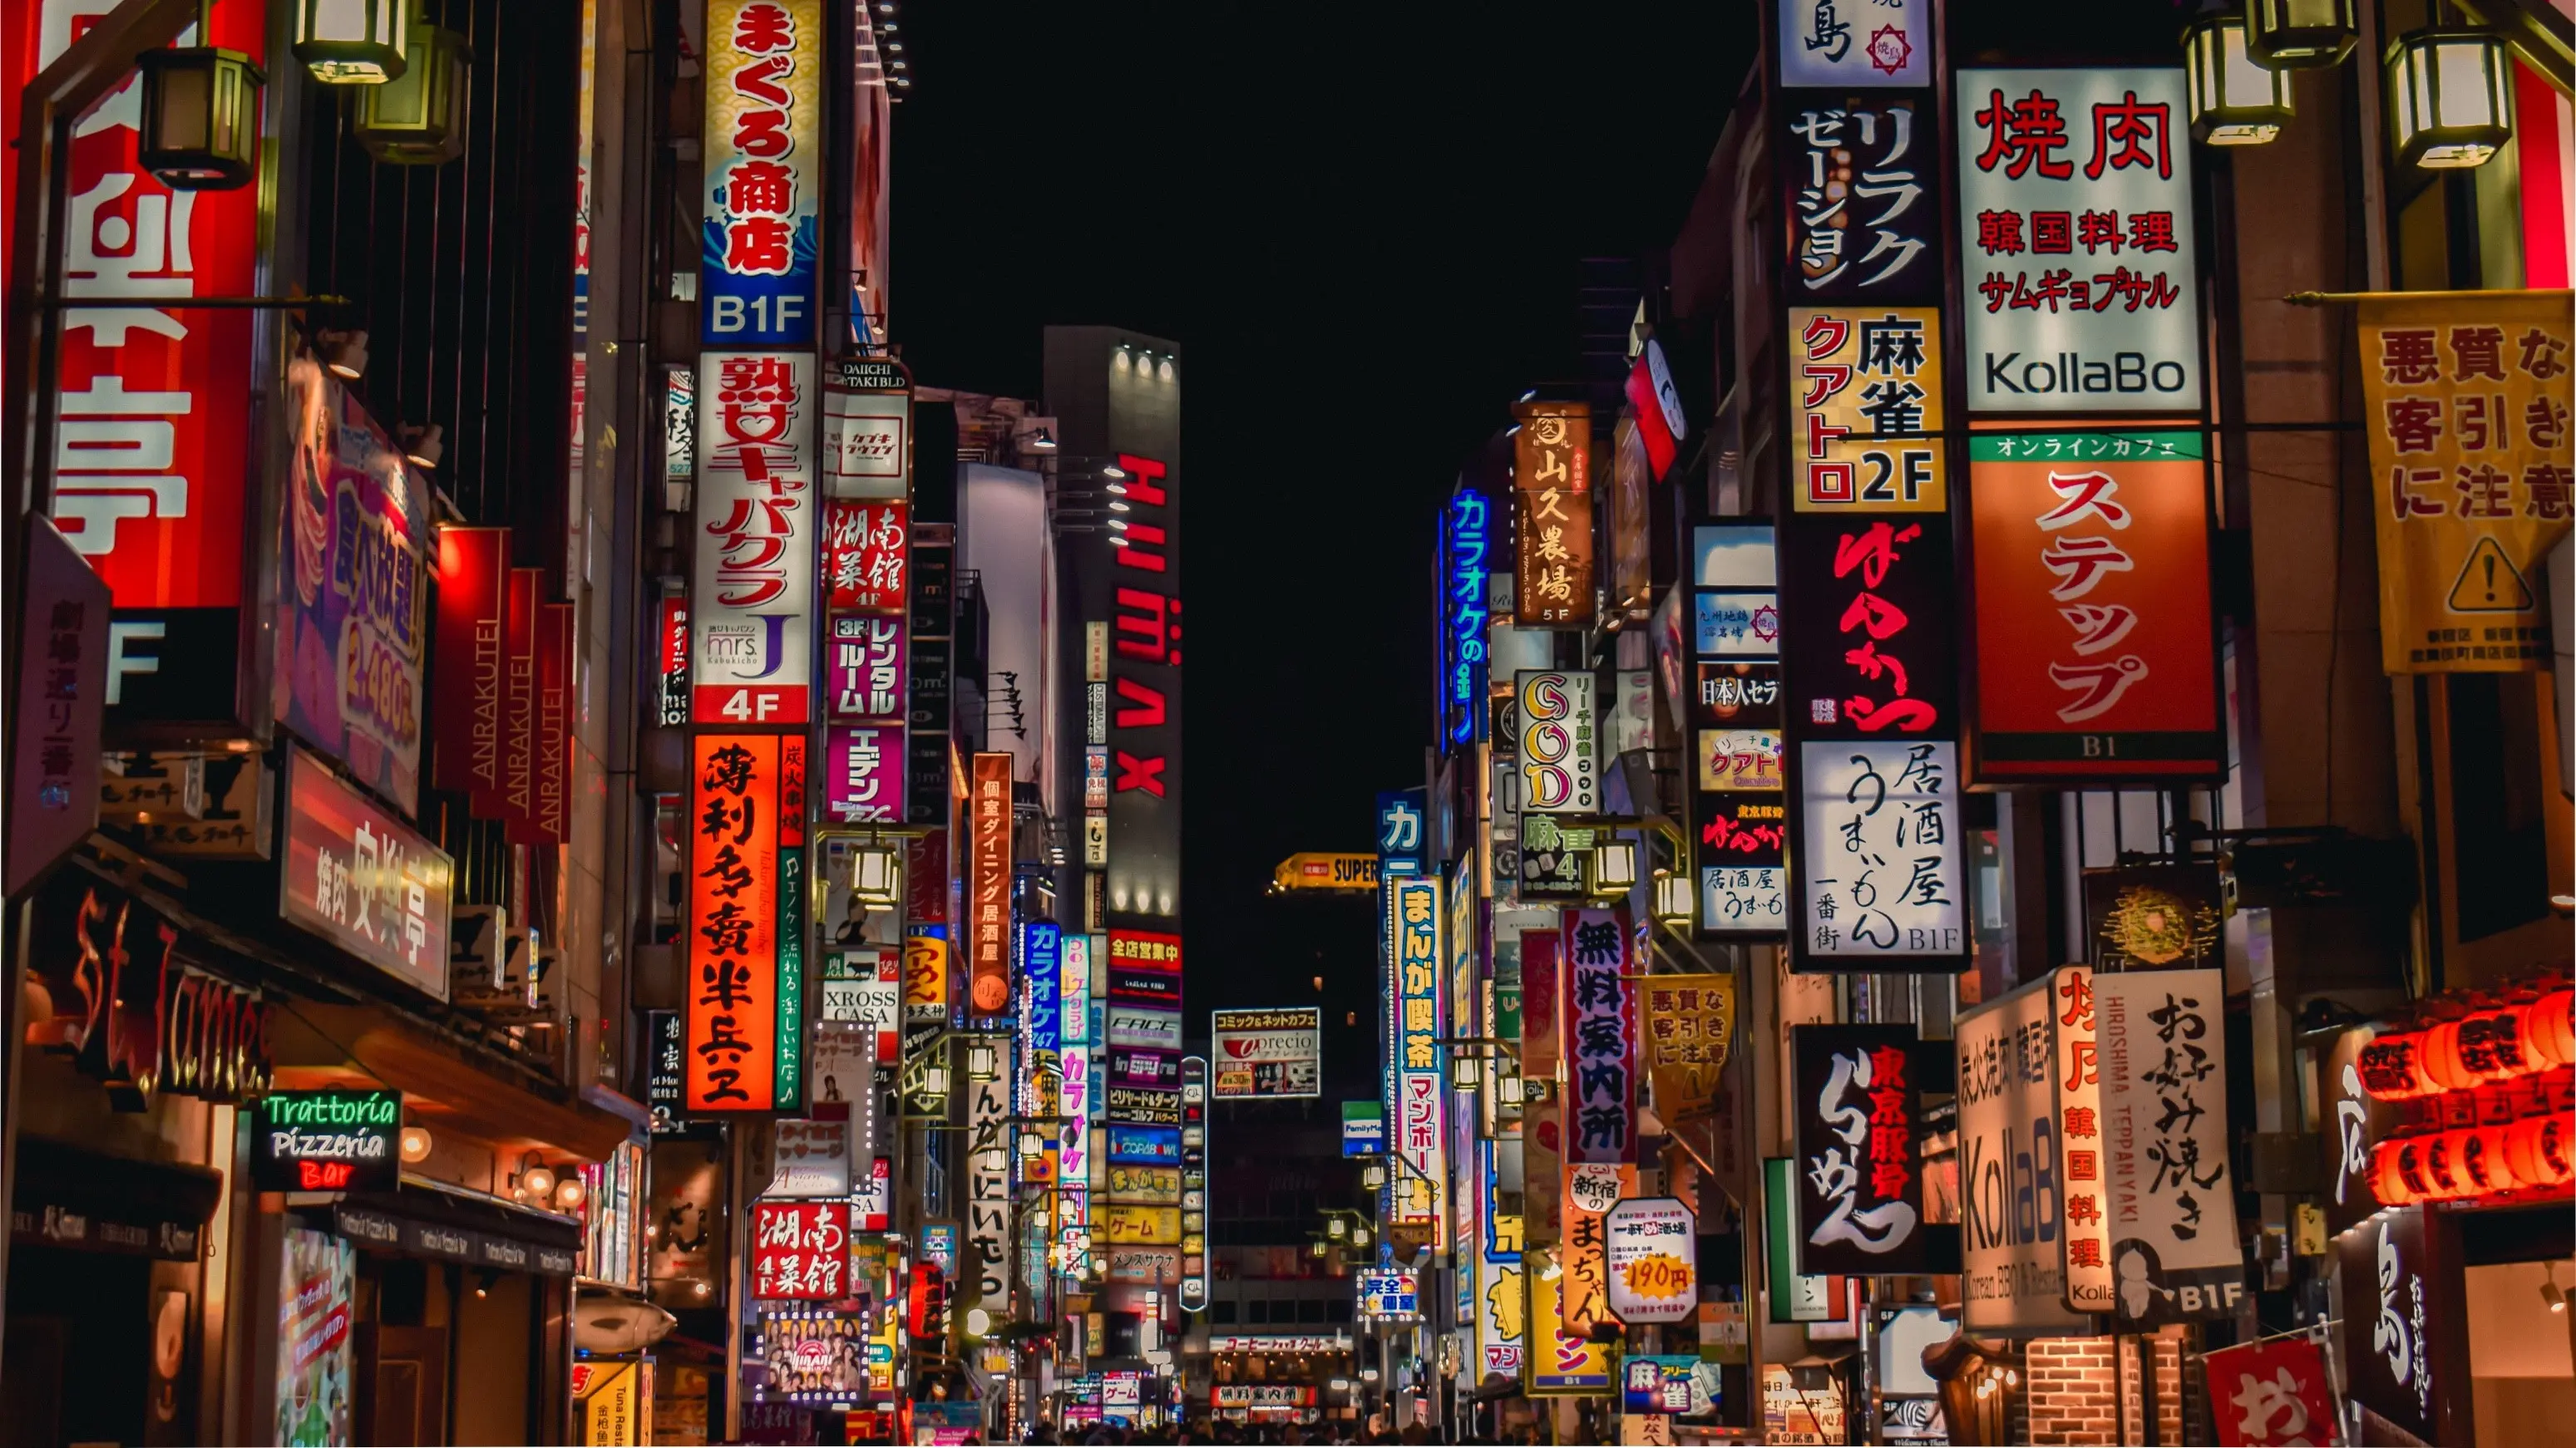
x,y
2300,34
1614,866
417,118
353,42
2234,102
2430,92
214,92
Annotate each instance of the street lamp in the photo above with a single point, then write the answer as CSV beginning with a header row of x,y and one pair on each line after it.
x,y
418,118
2234,102
1675,900
1614,866
352,42
876,876
200,114
2450,101
2300,34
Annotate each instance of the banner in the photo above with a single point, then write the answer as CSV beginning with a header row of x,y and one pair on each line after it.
x,y
1601,1082
2077,257
1860,1174
1552,513
745,1026
2097,654
2466,398
473,589
1421,1099
765,68
2167,1198
1690,1021
2271,1394
988,893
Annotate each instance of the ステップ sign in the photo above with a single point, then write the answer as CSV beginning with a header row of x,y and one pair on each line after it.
x,y
327,1141
745,1027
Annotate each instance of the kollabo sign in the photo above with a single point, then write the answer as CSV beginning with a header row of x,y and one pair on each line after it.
x,y
327,1141
1559,772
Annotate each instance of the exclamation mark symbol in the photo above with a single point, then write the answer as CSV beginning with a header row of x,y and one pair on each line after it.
x,y
2490,562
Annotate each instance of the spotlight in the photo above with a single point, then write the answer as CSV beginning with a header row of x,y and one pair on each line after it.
x,y
345,353
415,1143
424,446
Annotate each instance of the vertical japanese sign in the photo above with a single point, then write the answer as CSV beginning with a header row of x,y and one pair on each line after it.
x,y
764,71
1734,715
1860,1178
1501,1297
866,548
752,595
745,1025
2075,1064
988,887
153,444
1421,1095
867,428
2171,1208
1559,742
1882,888
2075,241
1690,1023
350,599
1144,698
2096,655
1865,390
2467,400
61,706
986,1278
1840,43
1864,197
1592,1189
1562,1364
473,579
2399,1299
1542,1049
1466,542
2012,1191
1601,1021
1552,512
800,1251
864,669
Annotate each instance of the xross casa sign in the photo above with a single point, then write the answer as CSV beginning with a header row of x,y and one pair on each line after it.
x,y
327,1141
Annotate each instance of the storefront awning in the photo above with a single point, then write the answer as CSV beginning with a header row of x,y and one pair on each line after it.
x,y
63,1196
421,1223
319,1046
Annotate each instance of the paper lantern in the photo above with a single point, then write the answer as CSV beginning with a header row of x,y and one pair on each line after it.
x,y
2442,1064
2536,1149
2443,1180
2552,1023
2392,1067
2388,1176
2491,1159
2493,1044
2466,1153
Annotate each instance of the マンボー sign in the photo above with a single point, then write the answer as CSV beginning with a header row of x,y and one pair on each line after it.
x,y
327,1141
2075,240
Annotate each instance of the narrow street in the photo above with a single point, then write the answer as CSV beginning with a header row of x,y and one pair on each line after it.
x,y
1870,739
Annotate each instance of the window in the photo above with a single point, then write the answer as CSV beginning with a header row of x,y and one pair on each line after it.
x,y
1221,1311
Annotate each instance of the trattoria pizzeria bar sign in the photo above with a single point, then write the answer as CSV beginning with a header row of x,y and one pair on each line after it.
x,y
327,1141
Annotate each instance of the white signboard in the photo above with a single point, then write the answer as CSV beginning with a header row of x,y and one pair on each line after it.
x,y
1847,43
987,1268
1266,1053
812,1158
2012,1182
866,443
1883,880
751,595
2167,1199
2075,240
1074,951
1558,744
1652,1246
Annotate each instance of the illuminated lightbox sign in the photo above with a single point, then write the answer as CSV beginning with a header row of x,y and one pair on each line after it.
x,y
763,204
756,542
327,1141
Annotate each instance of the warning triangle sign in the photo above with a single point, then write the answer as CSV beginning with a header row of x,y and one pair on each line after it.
x,y
2489,583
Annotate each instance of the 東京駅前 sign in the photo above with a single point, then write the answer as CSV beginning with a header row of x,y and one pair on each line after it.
x,y
744,1032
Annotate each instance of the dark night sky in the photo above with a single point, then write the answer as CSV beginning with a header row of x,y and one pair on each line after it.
x,y
1363,229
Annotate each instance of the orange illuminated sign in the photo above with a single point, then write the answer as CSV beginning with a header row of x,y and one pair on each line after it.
x,y
742,1042
988,906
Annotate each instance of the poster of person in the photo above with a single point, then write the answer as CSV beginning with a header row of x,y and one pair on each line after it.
x,y
351,594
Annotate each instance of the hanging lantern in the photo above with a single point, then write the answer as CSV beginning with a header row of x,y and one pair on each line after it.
x,y
1614,866
2492,1160
200,116
352,42
2536,1149
2392,1067
2442,1178
2394,1176
2467,1156
2442,1064
2234,102
1675,899
2449,98
2493,1045
2552,1021
418,118
2300,34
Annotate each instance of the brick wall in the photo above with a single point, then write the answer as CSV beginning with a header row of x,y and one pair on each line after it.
x,y
2073,1398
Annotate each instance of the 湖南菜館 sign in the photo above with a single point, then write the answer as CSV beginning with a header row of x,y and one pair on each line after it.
x,y
1267,1053
2076,263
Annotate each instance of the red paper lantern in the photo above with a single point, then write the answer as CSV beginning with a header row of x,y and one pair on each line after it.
x,y
2388,1176
2495,1045
2490,1159
2537,1149
2443,1180
2443,1065
2466,1153
2392,1067
2552,1027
